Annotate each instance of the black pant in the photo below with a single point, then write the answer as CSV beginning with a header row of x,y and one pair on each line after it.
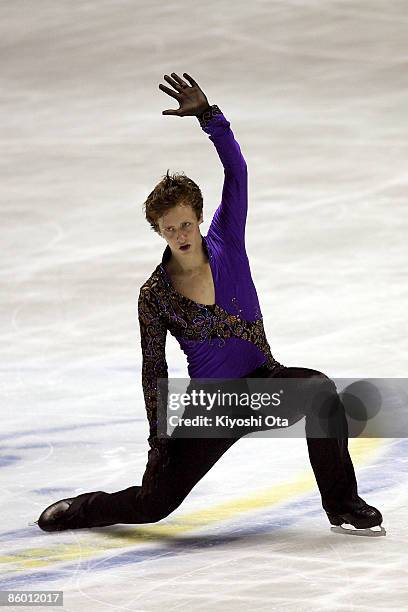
x,y
175,465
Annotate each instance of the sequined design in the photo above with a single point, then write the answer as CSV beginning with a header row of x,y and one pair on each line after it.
x,y
162,308
205,117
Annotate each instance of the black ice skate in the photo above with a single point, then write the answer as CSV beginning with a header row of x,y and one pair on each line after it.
x,y
67,513
362,517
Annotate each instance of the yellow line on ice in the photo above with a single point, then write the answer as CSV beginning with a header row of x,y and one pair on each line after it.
x,y
361,450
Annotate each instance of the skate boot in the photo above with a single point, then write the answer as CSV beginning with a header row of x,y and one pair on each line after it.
x,y
361,516
68,513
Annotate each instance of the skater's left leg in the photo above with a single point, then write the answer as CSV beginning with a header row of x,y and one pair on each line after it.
x,y
329,456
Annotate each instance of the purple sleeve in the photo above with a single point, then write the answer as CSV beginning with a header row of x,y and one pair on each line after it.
x,y
229,219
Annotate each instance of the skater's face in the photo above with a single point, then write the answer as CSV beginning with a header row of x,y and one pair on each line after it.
x,y
180,228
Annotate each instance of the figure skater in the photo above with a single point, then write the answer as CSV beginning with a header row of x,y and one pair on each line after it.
x,y
203,293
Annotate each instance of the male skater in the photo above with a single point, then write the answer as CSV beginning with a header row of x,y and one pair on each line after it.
x,y
203,293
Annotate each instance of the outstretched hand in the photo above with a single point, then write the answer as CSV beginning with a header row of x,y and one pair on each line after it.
x,y
192,99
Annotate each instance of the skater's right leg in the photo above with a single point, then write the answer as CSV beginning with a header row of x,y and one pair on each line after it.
x,y
173,468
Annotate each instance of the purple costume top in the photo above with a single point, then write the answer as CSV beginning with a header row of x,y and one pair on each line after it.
x,y
227,339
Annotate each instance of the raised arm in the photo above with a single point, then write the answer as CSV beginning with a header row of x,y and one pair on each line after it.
x,y
230,217
153,333
229,220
